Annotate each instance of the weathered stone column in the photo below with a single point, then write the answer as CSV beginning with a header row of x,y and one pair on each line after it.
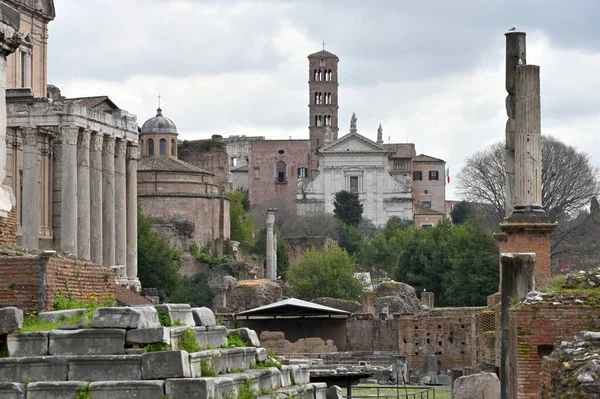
x,y
96,198
83,195
68,197
133,154
120,210
271,252
29,203
108,201
10,39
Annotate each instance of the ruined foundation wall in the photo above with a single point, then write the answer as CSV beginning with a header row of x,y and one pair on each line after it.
x,y
366,334
8,229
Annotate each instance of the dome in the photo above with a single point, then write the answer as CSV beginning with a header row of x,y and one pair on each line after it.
x,y
159,124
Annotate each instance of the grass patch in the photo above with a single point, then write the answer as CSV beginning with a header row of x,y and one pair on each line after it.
x,y
270,362
156,347
236,341
207,369
246,391
187,342
33,324
84,393
3,346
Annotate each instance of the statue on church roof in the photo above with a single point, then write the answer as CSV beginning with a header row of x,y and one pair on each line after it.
x,y
353,122
380,135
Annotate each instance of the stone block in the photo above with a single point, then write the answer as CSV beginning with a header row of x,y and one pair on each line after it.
x,y
190,388
127,318
230,359
10,16
334,392
86,342
247,335
82,323
261,354
177,311
12,390
215,337
149,336
37,368
210,357
54,389
105,368
27,344
59,315
302,374
482,385
128,389
272,335
167,364
320,390
261,378
285,376
249,357
204,317
11,319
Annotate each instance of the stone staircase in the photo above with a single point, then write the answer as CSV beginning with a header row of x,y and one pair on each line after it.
x,y
127,297
108,361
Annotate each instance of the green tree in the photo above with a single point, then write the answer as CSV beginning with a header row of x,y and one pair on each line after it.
x,y
194,290
347,207
242,225
158,261
350,238
461,212
325,273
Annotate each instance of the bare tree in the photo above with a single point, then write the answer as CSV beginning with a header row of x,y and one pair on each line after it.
x,y
316,224
569,181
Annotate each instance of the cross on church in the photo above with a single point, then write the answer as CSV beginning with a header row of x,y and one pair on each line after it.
x,y
323,44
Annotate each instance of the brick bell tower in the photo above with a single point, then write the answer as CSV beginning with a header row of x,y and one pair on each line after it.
x,y
322,102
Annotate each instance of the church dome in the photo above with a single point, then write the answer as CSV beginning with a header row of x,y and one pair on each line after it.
x,y
159,124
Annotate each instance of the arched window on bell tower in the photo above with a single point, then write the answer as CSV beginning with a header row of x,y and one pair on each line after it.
x,y
173,147
162,147
151,147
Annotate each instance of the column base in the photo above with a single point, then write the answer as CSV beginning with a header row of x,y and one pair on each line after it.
x,y
135,285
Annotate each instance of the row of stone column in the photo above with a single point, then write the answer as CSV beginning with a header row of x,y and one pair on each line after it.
x,y
97,175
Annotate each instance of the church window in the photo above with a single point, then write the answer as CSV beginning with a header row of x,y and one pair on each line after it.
x,y
318,120
302,172
162,147
173,147
257,173
327,119
426,204
433,175
322,63
417,175
25,69
398,164
234,161
315,75
150,147
327,98
353,184
281,169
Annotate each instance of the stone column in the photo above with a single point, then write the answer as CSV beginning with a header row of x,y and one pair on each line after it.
x,y
29,203
132,258
10,39
68,196
83,195
96,198
120,210
108,201
271,253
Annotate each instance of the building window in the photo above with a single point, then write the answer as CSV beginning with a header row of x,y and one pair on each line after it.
x,y
318,120
256,173
302,172
162,147
433,175
322,62
173,148
426,226
426,204
398,164
151,147
280,166
425,191
353,184
417,175
234,162
25,69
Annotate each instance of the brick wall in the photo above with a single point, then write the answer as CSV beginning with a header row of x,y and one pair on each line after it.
x,y
534,331
366,334
22,281
8,229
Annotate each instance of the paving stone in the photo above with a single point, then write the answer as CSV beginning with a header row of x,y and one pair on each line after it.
x,y
86,342
247,335
149,336
167,364
204,317
105,368
128,389
12,390
27,344
58,315
11,319
190,388
54,389
125,317
37,368
177,311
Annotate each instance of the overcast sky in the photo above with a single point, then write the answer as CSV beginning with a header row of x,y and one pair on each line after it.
x,y
432,72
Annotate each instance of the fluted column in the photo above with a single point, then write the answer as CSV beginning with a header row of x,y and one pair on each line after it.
x,y
96,198
68,196
83,195
29,203
108,201
132,258
120,209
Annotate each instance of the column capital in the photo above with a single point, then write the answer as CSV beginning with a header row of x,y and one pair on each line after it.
x,y
29,135
10,40
96,142
133,151
120,148
69,134
84,139
108,146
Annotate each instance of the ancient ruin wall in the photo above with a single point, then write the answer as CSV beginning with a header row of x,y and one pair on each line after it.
x,y
366,334
8,228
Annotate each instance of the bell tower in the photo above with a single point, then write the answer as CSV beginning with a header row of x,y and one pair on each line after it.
x,y
322,102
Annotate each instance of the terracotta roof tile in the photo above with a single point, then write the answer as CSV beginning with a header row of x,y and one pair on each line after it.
x,y
168,164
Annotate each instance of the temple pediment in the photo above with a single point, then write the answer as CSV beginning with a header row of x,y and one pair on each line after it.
x,y
353,142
